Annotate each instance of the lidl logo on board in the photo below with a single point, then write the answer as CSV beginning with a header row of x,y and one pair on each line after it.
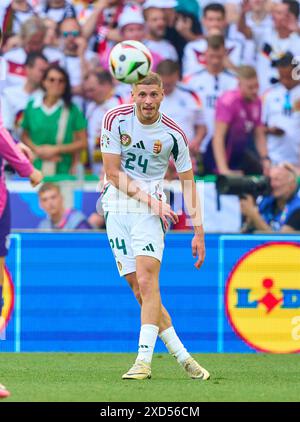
x,y
8,297
263,296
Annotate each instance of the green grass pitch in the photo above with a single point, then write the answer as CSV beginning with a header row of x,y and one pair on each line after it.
x,y
96,377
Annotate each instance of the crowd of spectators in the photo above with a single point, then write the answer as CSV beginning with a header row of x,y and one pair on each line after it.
x,y
230,71
202,49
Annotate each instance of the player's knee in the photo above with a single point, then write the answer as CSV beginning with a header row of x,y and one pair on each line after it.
x,y
146,285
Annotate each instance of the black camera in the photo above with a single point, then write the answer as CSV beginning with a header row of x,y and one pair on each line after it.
x,y
243,185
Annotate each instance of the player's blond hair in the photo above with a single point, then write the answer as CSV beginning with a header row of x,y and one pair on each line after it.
x,y
246,72
151,79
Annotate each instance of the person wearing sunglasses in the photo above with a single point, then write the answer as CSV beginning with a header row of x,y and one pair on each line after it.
x,y
53,127
78,60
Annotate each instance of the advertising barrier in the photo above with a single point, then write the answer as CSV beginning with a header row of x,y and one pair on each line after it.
x,y
67,294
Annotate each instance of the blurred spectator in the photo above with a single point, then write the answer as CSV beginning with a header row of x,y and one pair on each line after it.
x,y
58,10
281,38
11,42
101,28
32,35
77,59
238,125
14,98
181,27
51,38
156,26
58,217
84,9
184,106
239,49
13,13
255,20
279,212
281,114
209,84
99,90
54,128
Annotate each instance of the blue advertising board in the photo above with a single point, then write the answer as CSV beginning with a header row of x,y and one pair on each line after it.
x,y
69,296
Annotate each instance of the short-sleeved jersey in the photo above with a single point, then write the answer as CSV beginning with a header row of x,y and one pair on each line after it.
x,y
145,151
281,108
209,88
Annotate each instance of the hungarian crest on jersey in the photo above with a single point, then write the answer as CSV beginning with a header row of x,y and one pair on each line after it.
x,y
125,139
157,147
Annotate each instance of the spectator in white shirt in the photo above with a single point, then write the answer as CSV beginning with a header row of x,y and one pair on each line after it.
x,y
156,26
78,60
32,36
14,98
240,50
281,114
184,106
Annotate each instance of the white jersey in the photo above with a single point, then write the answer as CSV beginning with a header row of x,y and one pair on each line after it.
x,y
259,29
163,49
209,88
271,48
14,100
184,106
281,108
145,151
15,63
240,51
94,115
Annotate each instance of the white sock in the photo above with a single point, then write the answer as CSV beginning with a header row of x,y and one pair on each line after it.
x,y
147,340
174,345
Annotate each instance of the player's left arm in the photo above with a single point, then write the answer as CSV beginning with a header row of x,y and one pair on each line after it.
x,y
192,203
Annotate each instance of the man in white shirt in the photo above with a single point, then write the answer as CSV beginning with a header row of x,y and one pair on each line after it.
x,y
281,114
156,26
78,60
239,49
32,35
98,88
184,106
211,82
14,98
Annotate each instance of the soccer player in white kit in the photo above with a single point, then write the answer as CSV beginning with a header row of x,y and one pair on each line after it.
x,y
137,142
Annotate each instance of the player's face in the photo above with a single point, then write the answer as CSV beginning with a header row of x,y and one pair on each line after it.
x,y
51,202
214,21
249,88
147,99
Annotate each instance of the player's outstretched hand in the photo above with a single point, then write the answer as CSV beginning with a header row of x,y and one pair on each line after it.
x,y
164,211
36,177
198,249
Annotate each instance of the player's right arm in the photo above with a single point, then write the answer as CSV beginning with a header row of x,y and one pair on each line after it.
x,y
118,178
